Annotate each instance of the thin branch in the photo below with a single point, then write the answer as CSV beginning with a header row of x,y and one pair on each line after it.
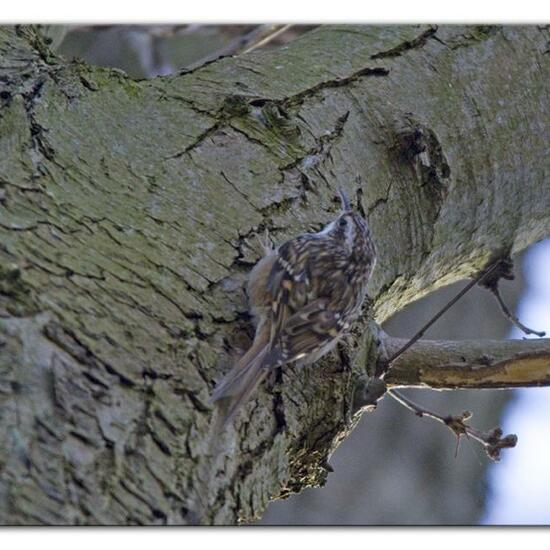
x,y
240,44
267,38
505,271
478,279
492,440
476,364
514,320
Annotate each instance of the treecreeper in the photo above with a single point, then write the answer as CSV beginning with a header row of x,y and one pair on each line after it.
x,y
304,295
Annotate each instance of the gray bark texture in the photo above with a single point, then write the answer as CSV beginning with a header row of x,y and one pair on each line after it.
x,y
128,215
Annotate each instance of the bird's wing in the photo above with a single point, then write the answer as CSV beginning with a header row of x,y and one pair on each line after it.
x,y
288,284
308,330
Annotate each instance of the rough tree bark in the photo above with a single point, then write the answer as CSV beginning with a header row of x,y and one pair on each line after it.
x,y
127,219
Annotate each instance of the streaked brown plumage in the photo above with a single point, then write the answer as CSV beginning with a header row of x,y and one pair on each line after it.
x,y
305,295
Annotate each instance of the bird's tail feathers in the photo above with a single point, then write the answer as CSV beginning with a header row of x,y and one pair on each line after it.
x,y
241,381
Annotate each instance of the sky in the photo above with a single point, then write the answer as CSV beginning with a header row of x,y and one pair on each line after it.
x,y
520,483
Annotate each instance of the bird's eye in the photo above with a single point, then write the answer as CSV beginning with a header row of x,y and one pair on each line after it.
x,y
343,222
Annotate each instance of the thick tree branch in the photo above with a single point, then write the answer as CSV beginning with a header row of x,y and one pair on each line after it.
x,y
470,364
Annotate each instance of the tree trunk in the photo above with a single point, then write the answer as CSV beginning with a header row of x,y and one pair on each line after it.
x,y
128,211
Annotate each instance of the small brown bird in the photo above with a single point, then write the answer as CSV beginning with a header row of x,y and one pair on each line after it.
x,y
305,295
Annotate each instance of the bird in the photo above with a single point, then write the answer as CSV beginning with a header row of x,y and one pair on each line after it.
x,y
304,296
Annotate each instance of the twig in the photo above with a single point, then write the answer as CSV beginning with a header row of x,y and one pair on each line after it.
x,y
240,44
491,283
492,440
448,306
514,320
267,38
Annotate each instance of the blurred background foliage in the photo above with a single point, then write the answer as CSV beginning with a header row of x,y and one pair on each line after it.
x,y
395,468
